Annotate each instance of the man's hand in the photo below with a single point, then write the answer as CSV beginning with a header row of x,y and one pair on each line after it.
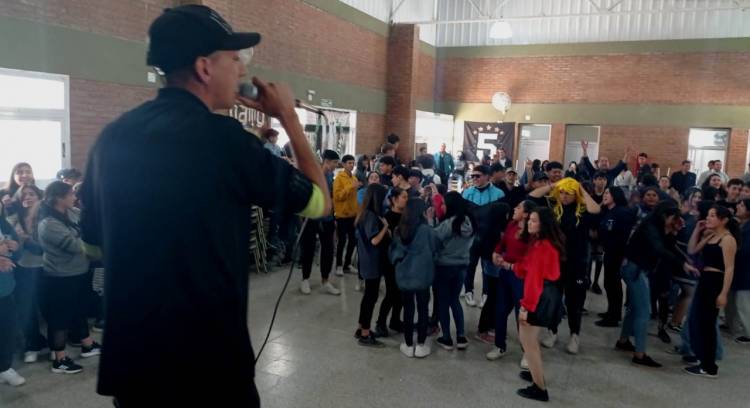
x,y
11,244
275,100
584,147
497,259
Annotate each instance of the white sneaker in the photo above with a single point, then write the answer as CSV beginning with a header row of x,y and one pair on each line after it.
x,y
573,344
422,350
483,301
358,286
305,287
339,271
330,289
495,354
30,357
550,340
11,377
524,363
406,350
470,299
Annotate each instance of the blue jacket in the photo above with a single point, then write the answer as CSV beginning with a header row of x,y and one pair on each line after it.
x,y
741,279
415,261
485,196
447,161
7,283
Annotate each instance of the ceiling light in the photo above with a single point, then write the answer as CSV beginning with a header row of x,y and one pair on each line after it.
x,y
501,30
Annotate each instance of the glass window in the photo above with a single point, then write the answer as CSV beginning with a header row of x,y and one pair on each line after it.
x,y
533,143
705,145
574,134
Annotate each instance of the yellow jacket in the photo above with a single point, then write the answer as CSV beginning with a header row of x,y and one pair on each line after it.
x,y
345,196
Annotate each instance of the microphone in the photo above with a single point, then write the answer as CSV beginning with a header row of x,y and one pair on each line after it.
x,y
250,91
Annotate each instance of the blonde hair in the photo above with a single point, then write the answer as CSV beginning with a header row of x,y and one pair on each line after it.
x,y
571,186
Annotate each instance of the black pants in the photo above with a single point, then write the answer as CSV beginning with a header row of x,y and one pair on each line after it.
x,y
345,233
392,302
575,297
7,331
367,306
597,258
613,285
324,230
709,288
26,296
65,301
248,399
487,317
472,270
422,298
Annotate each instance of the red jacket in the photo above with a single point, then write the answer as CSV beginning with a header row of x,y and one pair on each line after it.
x,y
510,246
541,263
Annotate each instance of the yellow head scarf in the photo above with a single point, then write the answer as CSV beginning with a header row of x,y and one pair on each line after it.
x,y
570,186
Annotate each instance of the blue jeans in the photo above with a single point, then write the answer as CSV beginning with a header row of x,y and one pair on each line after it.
x,y
638,305
448,281
509,294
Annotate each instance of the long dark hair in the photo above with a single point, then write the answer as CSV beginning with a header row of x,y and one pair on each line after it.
x,y
528,206
733,226
662,211
707,184
57,190
549,229
411,219
618,196
393,194
455,206
374,197
12,186
28,214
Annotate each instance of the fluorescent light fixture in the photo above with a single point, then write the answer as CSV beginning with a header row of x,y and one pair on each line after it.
x,y
501,30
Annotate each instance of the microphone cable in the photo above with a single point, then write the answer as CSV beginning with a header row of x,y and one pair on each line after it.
x,y
295,249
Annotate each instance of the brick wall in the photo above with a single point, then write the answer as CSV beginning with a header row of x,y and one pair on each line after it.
x,y
92,106
403,68
737,153
117,18
690,78
667,146
370,131
426,77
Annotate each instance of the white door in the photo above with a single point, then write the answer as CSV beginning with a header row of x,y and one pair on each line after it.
x,y
532,144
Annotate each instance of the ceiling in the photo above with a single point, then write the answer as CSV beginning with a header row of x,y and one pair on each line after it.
x,y
456,23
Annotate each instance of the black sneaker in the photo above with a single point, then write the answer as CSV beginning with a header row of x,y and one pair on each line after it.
x,y
526,376
358,334
625,346
381,331
596,289
66,366
690,359
94,350
646,361
664,336
370,341
447,344
674,327
533,392
462,343
742,340
606,322
697,370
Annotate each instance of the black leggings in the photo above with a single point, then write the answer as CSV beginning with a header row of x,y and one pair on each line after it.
x,y
613,285
324,230
422,298
65,301
392,302
7,331
487,316
596,256
345,233
575,297
367,306
709,288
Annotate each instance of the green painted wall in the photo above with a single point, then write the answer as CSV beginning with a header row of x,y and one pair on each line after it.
x,y
39,47
350,14
595,114
599,48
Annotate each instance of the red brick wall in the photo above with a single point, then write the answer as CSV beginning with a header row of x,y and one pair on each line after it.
x,y
737,153
426,77
701,78
117,18
370,131
403,68
92,106
667,146
302,39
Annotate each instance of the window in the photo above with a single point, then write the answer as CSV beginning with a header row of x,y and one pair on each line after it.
x,y
705,145
532,144
574,134
433,129
34,123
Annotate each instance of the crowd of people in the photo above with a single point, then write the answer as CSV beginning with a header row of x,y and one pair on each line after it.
x,y
678,242
541,241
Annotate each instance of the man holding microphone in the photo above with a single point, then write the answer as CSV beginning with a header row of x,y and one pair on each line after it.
x,y
167,199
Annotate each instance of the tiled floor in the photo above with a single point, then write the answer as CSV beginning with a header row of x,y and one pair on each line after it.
x,y
312,360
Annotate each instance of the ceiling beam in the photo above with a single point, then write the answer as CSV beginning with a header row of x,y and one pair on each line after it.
x,y
478,9
576,15
612,7
498,7
395,10
596,6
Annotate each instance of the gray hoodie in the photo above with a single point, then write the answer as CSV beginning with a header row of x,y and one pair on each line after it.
x,y
63,248
453,250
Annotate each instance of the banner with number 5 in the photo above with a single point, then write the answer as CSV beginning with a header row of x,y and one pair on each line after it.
x,y
484,138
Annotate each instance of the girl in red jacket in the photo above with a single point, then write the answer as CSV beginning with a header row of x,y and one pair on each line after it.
x,y
541,263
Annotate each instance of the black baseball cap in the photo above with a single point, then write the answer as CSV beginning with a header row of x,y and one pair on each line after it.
x,y
182,34
540,176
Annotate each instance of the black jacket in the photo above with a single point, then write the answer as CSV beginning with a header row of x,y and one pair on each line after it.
x,y
614,229
167,196
490,220
649,247
611,173
681,182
